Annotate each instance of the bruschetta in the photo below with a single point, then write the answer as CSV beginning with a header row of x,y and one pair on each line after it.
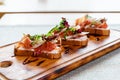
x,y
93,26
70,35
37,46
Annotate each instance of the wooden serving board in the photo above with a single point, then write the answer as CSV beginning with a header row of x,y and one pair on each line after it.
x,y
45,69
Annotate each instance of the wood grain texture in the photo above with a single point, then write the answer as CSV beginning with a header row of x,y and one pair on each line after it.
x,y
43,69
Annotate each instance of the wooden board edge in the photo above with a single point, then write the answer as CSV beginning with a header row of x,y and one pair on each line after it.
x,y
8,44
3,77
67,67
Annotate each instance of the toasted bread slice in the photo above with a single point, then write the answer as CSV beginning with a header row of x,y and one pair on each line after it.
x,y
103,32
54,54
76,40
98,31
90,30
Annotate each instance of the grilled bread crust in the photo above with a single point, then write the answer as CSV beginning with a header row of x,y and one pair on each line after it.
x,y
56,53
98,31
76,40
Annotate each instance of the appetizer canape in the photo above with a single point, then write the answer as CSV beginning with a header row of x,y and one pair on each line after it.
x,y
38,45
71,35
93,25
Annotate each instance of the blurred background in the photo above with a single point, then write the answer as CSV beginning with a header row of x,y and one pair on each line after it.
x,y
39,16
30,16
35,12
58,5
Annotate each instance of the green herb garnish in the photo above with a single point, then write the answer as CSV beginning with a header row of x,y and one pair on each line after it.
x,y
50,33
36,39
57,28
61,25
72,29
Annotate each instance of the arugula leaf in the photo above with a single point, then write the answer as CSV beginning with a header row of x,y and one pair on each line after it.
x,y
50,33
72,29
63,23
35,39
